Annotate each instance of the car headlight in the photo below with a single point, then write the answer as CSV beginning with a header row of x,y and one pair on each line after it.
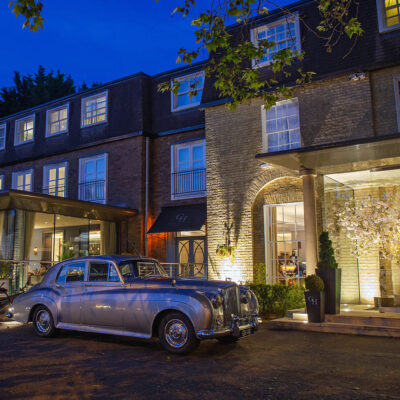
x,y
245,298
217,301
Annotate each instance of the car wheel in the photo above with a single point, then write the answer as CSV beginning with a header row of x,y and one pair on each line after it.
x,y
176,334
43,322
228,339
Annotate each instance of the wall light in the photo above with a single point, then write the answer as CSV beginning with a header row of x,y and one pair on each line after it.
x,y
359,76
35,251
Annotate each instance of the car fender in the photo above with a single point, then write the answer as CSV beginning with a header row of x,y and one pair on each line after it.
x,y
197,308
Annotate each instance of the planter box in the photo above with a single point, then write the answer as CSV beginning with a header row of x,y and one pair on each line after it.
x,y
332,278
315,304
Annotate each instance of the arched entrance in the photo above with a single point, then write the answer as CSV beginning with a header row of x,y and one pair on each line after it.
x,y
278,230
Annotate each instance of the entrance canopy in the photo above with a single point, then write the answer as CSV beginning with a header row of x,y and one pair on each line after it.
x,y
180,218
15,199
325,158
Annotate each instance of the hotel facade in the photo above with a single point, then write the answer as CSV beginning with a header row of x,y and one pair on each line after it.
x,y
123,168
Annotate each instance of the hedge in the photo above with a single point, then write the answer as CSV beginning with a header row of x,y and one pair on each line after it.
x,y
275,300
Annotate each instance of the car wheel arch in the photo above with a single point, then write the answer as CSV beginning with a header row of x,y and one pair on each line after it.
x,y
162,314
48,304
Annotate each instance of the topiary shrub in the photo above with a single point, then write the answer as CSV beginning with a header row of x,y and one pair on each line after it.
x,y
326,252
314,283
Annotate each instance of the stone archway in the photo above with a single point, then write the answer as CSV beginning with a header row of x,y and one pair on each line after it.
x,y
287,189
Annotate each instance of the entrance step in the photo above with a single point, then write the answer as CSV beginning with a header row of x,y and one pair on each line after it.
x,y
335,327
376,319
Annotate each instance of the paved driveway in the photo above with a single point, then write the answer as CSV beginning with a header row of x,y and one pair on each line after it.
x,y
268,365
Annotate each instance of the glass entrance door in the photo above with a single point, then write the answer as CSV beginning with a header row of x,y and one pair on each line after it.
x,y
284,243
192,256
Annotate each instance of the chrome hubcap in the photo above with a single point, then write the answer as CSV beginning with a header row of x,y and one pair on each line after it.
x,y
43,321
176,333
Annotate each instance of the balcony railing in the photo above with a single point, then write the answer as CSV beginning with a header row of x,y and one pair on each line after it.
x,y
55,190
92,191
186,183
186,270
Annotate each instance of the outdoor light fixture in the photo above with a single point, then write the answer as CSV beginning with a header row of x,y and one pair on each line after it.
x,y
359,76
35,251
265,165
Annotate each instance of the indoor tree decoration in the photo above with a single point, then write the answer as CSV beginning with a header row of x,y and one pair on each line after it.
x,y
372,224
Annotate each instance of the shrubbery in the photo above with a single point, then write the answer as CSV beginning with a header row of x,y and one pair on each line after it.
x,y
275,300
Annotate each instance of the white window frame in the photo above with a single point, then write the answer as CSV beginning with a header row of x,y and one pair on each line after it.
x,y
381,10
84,99
284,20
4,126
46,169
396,85
174,168
24,172
1,182
48,120
18,143
265,134
81,175
181,79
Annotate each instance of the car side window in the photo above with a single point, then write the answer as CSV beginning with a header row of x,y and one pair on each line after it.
x,y
103,272
74,272
147,269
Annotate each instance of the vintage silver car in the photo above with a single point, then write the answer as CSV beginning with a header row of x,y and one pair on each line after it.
x,y
133,296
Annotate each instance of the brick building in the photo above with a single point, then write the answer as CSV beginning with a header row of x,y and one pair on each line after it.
x,y
276,179
123,166
90,173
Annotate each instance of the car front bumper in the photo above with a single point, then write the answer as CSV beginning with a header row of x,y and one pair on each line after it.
x,y
239,328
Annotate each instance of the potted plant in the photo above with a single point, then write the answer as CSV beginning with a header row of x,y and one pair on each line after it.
x,y
315,298
225,251
5,275
329,272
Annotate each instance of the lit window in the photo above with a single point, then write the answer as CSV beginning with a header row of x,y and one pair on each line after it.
x,y
189,92
94,109
92,178
285,33
55,179
24,130
281,126
388,14
3,136
1,182
189,170
57,121
23,180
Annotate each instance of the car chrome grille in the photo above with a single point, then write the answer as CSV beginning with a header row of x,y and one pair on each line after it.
x,y
231,303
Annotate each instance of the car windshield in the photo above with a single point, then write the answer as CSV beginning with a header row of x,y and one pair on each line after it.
x,y
147,268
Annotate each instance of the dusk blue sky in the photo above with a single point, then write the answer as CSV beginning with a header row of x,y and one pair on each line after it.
x,y
97,40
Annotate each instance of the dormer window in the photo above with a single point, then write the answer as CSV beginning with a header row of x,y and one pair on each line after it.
x,y
388,15
285,33
57,121
94,109
186,98
24,130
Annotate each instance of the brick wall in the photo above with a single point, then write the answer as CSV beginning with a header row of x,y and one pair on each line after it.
x,y
330,111
125,183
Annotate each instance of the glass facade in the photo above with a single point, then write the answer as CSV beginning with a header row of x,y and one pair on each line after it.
x,y
362,215
31,242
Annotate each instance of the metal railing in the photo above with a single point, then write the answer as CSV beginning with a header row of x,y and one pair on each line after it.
x,y
92,191
55,190
189,182
186,270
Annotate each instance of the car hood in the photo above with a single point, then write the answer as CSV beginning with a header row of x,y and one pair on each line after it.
x,y
181,283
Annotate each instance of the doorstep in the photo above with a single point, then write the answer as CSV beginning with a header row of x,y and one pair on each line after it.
x,y
350,322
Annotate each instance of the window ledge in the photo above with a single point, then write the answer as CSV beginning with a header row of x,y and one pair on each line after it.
x,y
188,196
